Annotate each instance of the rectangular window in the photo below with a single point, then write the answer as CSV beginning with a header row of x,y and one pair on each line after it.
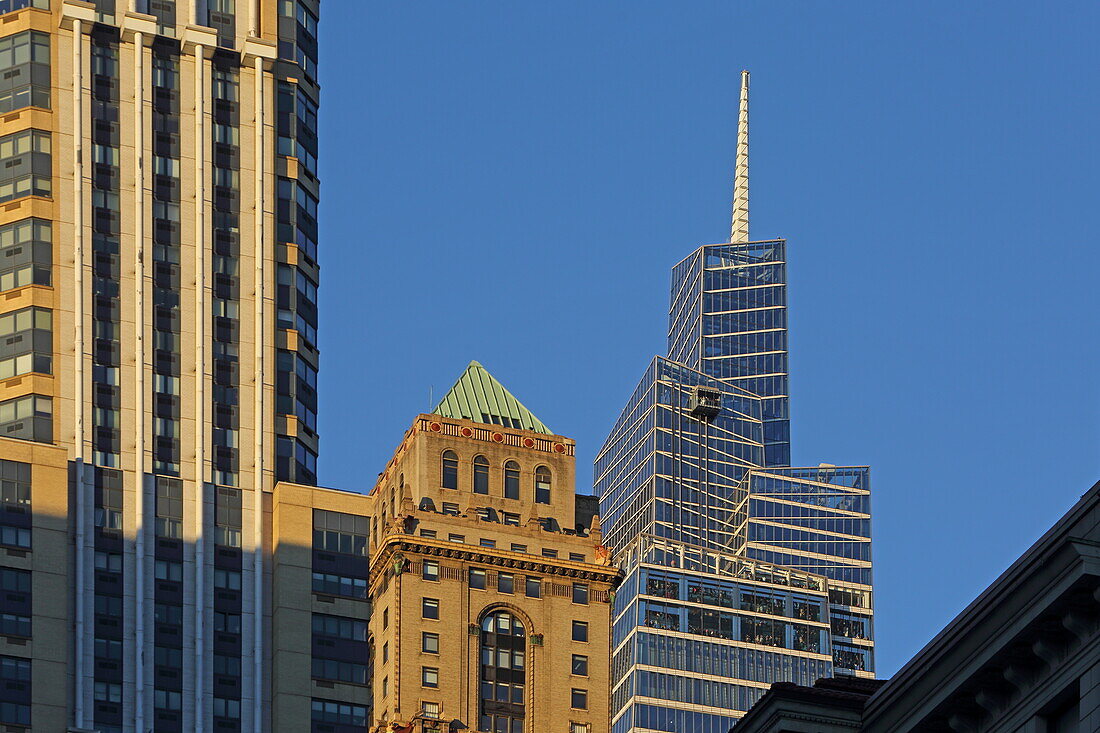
x,y
227,515
227,623
385,618
429,642
580,631
579,728
533,587
25,70
519,548
15,484
457,538
428,533
429,608
580,665
449,509
169,521
385,686
576,556
26,342
338,532
25,164
429,676
26,253
27,418
227,708
430,570
477,579
511,519
578,699
488,543
340,585
430,711
339,627
580,593
338,670
338,713
547,552
506,583
385,652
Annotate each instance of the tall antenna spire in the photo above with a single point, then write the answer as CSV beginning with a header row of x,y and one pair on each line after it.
x,y
740,230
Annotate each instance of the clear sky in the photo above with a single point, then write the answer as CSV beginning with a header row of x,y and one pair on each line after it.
x,y
511,182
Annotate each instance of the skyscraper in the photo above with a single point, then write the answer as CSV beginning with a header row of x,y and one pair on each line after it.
x,y
740,569
158,269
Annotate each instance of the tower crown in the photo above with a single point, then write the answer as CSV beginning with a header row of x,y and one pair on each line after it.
x,y
739,232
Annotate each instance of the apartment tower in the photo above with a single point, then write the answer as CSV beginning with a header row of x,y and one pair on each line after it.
x,y
158,279
740,570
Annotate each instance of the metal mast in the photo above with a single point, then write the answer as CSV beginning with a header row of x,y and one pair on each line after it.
x,y
740,229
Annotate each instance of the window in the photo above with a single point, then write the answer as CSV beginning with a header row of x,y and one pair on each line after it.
x,y
506,583
449,478
15,483
166,570
338,670
227,579
429,608
25,253
477,579
511,480
340,585
519,548
547,552
385,618
385,652
449,509
25,64
503,673
339,627
14,668
430,711
580,728
580,631
27,418
580,665
461,538
481,475
511,519
428,533
340,713
166,700
25,164
576,556
385,686
223,665
430,570
339,532
533,587
429,642
580,593
578,699
227,623
429,676
169,521
227,708
485,542
542,485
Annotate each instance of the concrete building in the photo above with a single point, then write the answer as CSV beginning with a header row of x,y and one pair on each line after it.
x,y
158,276
741,570
1023,657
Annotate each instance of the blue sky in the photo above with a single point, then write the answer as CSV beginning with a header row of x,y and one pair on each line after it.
x,y
511,182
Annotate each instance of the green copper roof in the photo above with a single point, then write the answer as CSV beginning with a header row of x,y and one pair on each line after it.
x,y
478,396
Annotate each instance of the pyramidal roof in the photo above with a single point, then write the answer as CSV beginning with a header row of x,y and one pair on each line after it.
x,y
478,396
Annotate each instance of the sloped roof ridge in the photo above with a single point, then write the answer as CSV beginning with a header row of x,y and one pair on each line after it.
x,y
478,395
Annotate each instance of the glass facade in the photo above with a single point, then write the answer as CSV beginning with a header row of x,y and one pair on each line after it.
x,y
740,570
728,319
665,472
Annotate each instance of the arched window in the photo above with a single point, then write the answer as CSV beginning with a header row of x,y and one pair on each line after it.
x,y
481,475
503,673
450,470
542,485
511,480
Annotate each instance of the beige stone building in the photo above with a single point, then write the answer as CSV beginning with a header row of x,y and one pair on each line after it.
x,y
490,587
158,361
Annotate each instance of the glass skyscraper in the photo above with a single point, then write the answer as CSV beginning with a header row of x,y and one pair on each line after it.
x,y
740,570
